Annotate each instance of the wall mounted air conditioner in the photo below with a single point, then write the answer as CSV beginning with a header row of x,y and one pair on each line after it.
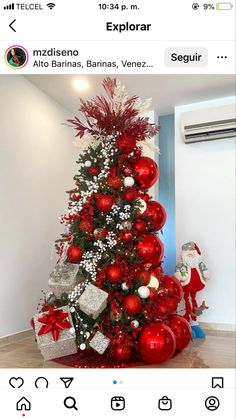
x,y
207,124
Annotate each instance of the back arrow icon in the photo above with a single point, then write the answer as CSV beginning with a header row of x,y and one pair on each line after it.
x,y
12,24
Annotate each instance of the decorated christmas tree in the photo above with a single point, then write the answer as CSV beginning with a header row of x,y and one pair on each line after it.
x,y
110,300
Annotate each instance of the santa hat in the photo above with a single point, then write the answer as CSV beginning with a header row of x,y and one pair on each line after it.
x,y
191,246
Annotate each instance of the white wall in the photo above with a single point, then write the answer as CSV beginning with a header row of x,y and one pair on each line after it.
x,y
37,165
205,212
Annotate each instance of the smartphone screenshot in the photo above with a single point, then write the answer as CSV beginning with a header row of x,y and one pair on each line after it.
x,y
117,209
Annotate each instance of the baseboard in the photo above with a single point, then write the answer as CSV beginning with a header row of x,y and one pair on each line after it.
x,y
218,328
15,337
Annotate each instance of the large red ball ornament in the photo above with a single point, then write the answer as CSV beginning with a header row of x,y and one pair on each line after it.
x,y
157,343
74,253
125,143
145,172
132,304
105,203
150,248
166,305
182,331
114,273
140,226
172,286
156,214
144,276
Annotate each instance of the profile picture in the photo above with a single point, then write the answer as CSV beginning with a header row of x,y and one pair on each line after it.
x,y
16,57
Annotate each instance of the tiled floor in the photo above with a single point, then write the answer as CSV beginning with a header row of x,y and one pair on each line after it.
x,y
217,351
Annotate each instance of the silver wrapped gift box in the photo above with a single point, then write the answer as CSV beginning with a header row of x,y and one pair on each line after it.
x,y
64,278
65,345
93,301
99,343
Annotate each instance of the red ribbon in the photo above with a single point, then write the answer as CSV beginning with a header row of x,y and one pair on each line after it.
x,y
55,321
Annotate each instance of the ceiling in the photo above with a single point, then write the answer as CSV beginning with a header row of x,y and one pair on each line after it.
x,y
167,91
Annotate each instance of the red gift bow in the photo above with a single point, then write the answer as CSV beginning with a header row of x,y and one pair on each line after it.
x,y
55,321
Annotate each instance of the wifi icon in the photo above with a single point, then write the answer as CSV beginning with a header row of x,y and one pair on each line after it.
x,y
51,5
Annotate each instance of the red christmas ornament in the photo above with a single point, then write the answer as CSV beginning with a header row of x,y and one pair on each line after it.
x,y
128,171
150,248
100,233
114,182
157,343
130,194
126,236
140,226
132,304
172,286
94,171
152,294
182,331
125,143
137,152
85,225
114,273
144,276
145,172
122,353
105,203
74,253
166,304
156,214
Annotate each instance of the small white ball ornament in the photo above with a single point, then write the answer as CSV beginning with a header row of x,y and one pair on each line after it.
x,y
143,292
134,324
82,346
128,181
142,204
124,286
72,330
88,163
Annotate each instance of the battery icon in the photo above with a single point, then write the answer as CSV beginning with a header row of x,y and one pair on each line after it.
x,y
224,6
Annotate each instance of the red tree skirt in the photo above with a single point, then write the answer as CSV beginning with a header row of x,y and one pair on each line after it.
x,y
90,359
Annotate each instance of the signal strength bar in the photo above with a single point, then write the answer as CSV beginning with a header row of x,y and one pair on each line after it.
x,y
9,7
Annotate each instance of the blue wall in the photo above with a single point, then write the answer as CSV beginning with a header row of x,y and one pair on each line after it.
x,y
167,188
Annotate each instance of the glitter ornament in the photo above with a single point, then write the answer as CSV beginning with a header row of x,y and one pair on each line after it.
x,y
143,292
128,181
114,273
129,195
125,143
127,225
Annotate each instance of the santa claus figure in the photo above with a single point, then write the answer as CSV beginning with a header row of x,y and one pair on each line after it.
x,y
192,274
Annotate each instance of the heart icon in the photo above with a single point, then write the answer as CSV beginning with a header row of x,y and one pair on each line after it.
x,y
16,382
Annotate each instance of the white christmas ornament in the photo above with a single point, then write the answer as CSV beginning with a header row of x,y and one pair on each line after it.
x,y
124,286
128,181
134,324
154,283
143,292
88,163
82,346
142,204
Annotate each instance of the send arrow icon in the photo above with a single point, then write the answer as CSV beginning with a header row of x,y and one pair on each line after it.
x,y
67,381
